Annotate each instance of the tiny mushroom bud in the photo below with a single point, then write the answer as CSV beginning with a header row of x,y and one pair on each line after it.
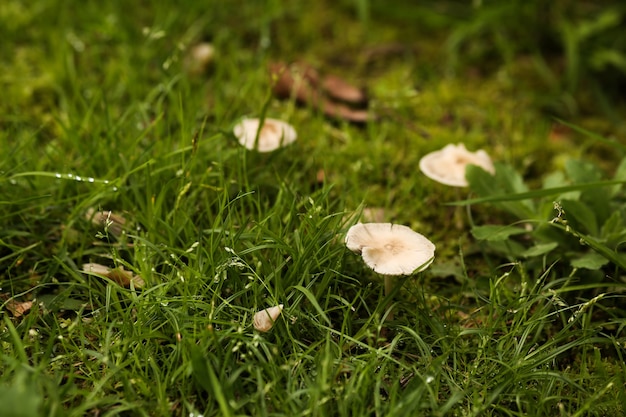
x,y
272,135
447,165
199,58
264,319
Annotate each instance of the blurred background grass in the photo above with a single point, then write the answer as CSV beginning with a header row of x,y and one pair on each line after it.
x,y
101,90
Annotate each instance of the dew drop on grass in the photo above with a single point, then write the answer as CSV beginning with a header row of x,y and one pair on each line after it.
x,y
430,379
57,175
77,178
91,179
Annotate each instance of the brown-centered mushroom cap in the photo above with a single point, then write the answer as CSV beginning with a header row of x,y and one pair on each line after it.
x,y
390,249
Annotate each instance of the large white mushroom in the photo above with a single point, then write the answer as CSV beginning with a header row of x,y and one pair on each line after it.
x,y
272,135
447,165
390,249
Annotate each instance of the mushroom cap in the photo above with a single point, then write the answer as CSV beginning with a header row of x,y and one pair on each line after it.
x,y
273,135
264,320
447,165
390,249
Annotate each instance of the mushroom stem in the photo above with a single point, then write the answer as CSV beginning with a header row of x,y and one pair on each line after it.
x,y
389,284
458,212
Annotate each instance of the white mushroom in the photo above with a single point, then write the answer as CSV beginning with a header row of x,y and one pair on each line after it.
x,y
264,320
272,135
447,165
199,58
390,249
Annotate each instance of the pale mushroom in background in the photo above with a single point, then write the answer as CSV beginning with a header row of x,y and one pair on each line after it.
x,y
199,58
447,165
264,320
272,135
390,249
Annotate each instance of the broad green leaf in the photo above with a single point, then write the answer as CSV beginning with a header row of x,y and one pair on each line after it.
x,y
481,182
503,197
509,248
613,228
554,179
617,258
506,181
557,179
580,216
540,249
598,23
620,174
494,233
596,198
510,179
591,260
606,57
582,171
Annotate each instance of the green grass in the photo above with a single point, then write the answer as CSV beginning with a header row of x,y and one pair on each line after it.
x,y
98,112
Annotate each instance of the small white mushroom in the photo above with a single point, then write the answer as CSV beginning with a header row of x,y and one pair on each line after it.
x,y
264,320
390,249
199,58
272,135
447,165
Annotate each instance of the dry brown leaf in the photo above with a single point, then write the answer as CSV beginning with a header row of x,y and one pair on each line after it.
x,y
288,82
559,133
18,308
302,82
114,223
118,275
339,89
343,112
